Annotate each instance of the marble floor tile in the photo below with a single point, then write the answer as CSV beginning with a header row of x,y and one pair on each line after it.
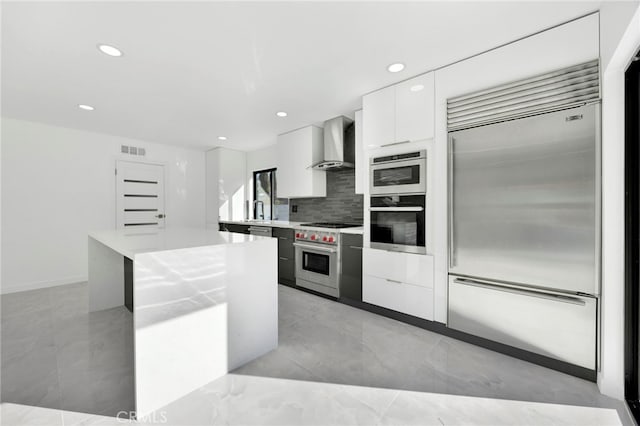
x,y
25,302
335,364
26,415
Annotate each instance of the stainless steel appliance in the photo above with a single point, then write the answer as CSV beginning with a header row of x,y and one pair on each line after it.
x,y
263,231
318,257
339,144
399,174
524,217
398,223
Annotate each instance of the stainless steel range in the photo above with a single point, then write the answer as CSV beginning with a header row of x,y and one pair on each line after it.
x,y
318,258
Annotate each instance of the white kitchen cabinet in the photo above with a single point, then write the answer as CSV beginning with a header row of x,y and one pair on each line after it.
x,y
378,115
297,151
414,108
399,281
362,165
399,113
406,267
399,296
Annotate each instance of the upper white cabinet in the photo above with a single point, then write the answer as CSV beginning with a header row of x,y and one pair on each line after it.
x,y
399,113
297,151
379,117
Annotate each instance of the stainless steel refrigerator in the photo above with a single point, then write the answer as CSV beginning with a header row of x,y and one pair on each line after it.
x,y
524,233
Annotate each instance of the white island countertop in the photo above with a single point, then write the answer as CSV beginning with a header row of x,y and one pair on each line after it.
x,y
204,302
129,242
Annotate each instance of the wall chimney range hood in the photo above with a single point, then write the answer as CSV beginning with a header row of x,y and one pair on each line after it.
x,y
339,144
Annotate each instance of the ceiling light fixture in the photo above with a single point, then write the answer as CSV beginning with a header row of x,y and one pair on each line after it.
x,y
86,107
397,67
281,114
222,138
109,50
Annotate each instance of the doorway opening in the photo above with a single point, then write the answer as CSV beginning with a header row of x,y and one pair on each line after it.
x,y
264,194
632,236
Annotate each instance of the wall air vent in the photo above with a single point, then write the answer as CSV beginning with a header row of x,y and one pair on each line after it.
x,y
561,89
132,150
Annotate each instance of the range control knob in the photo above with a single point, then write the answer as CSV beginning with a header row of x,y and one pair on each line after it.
x,y
297,235
324,238
331,239
313,237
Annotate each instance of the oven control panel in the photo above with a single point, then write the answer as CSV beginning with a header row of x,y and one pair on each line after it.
x,y
315,236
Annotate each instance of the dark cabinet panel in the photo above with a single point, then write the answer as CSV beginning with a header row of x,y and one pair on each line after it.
x,y
351,282
286,256
234,227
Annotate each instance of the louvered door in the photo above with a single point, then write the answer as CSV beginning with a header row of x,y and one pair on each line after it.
x,y
139,195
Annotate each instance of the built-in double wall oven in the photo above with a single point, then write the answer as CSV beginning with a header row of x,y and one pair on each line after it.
x,y
398,197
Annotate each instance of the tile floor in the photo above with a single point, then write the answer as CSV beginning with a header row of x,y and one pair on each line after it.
x,y
57,355
334,365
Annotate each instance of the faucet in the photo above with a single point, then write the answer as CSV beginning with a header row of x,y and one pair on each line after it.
x,y
257,204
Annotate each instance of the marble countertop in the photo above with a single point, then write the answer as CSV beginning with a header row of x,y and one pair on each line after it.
x,y
287,224
359,230
274,223
130,242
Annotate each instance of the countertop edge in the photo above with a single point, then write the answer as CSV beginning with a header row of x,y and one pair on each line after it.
x,y
282,224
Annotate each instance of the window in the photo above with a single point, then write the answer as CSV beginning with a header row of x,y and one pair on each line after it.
x,y
264,191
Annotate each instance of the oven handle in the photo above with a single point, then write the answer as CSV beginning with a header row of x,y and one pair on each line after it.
x,y
396,209
317,248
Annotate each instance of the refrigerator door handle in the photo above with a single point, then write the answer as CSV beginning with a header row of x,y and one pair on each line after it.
x,y
522,292
452,262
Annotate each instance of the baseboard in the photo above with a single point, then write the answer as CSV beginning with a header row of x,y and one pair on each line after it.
x,y
7,289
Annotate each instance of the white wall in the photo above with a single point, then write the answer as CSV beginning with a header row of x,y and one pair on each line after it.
x,y
226,186
620,39
59,183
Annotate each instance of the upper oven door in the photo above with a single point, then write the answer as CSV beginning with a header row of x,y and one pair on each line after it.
x,y
317,263
407,176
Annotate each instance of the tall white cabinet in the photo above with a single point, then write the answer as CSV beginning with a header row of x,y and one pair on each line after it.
x,y
297,151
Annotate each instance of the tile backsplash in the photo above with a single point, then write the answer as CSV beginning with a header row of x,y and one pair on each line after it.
x,y
341,204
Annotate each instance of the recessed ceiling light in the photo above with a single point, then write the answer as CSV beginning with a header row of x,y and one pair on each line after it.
x,y
397,67
281,114
109,50
86,107
222,138
417,87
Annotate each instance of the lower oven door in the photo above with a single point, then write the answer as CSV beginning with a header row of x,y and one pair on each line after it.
x,y
398,229
317,268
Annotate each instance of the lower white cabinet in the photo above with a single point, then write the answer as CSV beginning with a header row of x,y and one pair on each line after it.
x,y
402,297
402,282
405,267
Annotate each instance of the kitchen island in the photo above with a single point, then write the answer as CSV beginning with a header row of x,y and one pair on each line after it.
x,y
204,303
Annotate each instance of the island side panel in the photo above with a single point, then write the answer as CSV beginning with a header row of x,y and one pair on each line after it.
x,y
198,313
252,293
106,277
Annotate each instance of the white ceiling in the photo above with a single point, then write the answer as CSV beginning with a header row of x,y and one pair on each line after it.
x,y
194,71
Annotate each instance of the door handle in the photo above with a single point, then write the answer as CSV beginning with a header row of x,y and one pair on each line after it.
x,y
160,216
522,292
394,143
